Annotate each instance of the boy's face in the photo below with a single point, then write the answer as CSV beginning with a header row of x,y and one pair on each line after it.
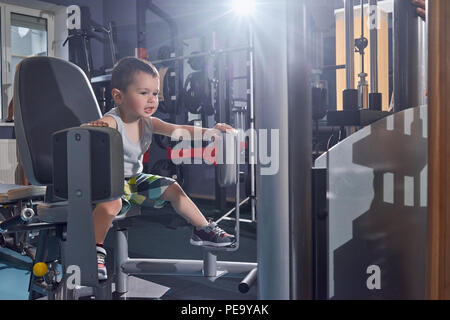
x,y
141,96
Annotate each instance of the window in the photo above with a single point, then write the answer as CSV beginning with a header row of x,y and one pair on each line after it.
x,y
28,38
25,33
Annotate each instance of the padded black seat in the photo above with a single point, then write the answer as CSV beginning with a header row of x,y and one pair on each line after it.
x,y
50,94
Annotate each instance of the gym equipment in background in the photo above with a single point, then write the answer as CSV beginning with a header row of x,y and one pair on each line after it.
x,y
375,97
18,207
81,53
168,95
173,78
79,40
197,96
363,87
112,45
239,112
410,54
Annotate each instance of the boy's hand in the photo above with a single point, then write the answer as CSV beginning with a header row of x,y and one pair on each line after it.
x,y
96,123
220,127
223,127
421,7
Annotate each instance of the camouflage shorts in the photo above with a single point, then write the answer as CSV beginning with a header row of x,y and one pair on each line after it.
x,y
144,190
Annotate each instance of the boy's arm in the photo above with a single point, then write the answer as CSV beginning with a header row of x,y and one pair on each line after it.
x,y
167,129
162,127
103,122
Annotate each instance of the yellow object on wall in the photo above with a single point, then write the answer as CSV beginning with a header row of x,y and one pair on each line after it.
x,y
383,53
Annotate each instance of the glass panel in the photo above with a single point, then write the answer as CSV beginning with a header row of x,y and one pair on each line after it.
x,y
28,38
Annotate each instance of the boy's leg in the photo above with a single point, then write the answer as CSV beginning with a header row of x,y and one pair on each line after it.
x,y
104,214
184,206
205,233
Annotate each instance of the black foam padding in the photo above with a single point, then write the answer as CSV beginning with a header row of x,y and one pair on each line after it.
x,y
107,167
350,99
50,94
375,101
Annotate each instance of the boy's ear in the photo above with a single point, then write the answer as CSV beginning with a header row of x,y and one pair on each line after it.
x,y
117,96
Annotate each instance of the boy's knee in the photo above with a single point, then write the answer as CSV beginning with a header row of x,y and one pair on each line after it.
x,y
177,188
112,207
172,192
116,206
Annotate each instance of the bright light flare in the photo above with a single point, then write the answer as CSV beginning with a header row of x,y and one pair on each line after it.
x,y
243,7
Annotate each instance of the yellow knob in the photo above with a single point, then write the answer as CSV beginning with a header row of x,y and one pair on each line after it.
x,y
40,269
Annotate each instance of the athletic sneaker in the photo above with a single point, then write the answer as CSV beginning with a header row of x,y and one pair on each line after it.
x,y
211,235
101,258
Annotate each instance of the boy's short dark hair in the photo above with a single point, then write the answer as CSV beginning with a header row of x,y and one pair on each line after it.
x,y
126,68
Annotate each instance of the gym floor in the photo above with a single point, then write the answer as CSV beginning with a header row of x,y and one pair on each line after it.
x,y
159,234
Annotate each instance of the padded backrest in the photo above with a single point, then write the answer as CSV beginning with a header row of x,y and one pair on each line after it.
x,y
50,94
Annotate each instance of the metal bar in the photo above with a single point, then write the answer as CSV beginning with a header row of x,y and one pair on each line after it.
x,y
374,47
320,227
241,220
121,256
248,281
80,244
231,211
299,149
209,264
112,44
334,67
251,98
40,256
410,57
180,267
349,44
272,188
362,35
203,54
236,153
237,228
10,223
363,88
32,227
165,16
221,114
140,23
84,40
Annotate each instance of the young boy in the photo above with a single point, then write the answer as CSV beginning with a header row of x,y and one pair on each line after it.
x,y
135,84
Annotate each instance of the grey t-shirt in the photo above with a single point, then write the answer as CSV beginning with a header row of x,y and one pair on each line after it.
x,y
133,152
